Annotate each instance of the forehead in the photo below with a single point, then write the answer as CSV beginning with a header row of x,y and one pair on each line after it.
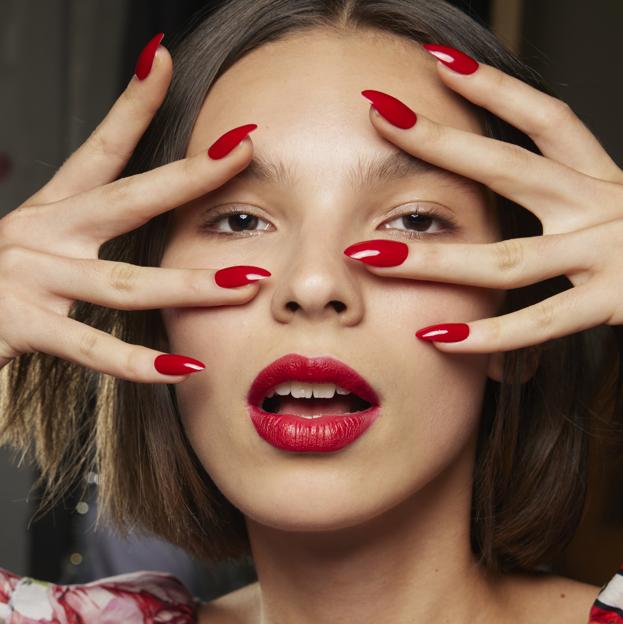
x,y
304,92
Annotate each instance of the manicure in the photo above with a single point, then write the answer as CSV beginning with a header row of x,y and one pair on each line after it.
x,y
172,364
445,332
226,143
391,108
146,57
239,275
454,59
380,252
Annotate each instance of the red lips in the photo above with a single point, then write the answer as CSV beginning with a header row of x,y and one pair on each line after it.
x,y
292,367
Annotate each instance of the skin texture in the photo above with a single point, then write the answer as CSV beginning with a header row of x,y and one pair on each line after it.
x,y
380,529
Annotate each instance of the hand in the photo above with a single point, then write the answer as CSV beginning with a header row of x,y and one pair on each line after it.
x,y
49,245
575,190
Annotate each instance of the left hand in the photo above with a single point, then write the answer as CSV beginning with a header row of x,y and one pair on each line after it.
x,y
575,189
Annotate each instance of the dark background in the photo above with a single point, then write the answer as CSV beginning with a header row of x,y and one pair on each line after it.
x,y
62,65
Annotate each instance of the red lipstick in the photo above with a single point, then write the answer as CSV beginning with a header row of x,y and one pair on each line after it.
x,y
330,432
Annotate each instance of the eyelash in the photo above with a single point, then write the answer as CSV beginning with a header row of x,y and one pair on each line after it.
x,y
449,224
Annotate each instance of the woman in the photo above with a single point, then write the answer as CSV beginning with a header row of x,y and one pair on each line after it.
x,y
404,256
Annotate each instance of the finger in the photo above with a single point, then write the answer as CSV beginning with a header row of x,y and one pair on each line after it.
x,y
506,264
126,286
82,344
573,310
123,205
102,157
543,186
550,122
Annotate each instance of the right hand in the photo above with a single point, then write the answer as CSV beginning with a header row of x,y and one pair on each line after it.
x,y
49,244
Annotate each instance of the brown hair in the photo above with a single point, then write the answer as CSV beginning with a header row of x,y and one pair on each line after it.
x,y
529,485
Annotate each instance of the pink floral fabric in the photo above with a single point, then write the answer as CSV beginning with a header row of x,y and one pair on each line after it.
x,y
134,598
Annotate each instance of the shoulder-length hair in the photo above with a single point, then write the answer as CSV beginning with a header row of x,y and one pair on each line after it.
x,y
530,476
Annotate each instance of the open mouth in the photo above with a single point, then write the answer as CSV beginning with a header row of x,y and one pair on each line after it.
x,y
314,407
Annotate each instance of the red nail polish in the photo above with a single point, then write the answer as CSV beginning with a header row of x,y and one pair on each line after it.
x,y
445,332
146,57
225,144
379,252
391,108
454,59
239,275
171,364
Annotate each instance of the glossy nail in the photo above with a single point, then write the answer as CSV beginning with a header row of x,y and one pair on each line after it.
x,y
226,143
454,59
146,57
445,332
391,108
239,275
172,364
379,252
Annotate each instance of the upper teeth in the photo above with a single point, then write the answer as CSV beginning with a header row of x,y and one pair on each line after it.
x,y
302,390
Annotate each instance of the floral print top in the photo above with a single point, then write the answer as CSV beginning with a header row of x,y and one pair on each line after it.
x,y
132,598
158,597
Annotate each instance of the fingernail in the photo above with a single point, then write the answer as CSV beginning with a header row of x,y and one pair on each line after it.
x,y
233,276
454,59
445,332
146,57
381,253
171,364
391,108
225,144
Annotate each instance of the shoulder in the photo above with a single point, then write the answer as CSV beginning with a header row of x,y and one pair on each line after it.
x,y
237,607
561,599
134,597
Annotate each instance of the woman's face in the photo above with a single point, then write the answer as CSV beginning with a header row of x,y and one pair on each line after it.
x,y
304,94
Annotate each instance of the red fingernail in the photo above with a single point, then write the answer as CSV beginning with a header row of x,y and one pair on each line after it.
x,y
391,108
146,57
171,364
454,59
225,144
445,332
239,275
380,252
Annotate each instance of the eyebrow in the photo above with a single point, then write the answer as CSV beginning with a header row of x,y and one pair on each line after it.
x,y
367,172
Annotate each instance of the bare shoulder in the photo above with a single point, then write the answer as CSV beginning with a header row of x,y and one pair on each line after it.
x,y
237,607
562,599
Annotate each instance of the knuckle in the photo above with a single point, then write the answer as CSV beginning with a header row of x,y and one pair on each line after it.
x,y
13,226
508,257
134,365
87,343
123,277
551,116
100,142
544,318
119,192
13,257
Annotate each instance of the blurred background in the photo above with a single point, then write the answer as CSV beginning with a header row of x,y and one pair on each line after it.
x,y
62,65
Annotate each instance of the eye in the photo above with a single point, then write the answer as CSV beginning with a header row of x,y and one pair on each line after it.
x,y
420,219
237,220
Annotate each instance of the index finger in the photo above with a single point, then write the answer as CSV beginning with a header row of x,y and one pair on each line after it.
x,y
102,157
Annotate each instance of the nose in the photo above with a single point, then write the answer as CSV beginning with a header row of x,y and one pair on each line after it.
x,y
317,282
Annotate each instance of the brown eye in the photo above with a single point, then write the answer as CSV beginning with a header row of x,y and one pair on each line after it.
x,y
419,222
239,221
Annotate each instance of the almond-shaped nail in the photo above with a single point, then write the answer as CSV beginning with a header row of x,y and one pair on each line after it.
x,y
226,143
391,108
444,332
146,57
173,364
452,58
239,275
379,252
